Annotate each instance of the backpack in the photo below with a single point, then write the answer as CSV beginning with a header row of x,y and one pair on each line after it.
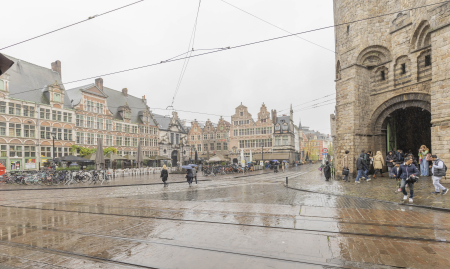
x,y
440,172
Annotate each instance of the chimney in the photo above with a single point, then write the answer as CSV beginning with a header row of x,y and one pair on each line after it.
x,y
144,100
99,83
274,116
56,66
125,92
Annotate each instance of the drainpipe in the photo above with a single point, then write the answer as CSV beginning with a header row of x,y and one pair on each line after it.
x,y
39,135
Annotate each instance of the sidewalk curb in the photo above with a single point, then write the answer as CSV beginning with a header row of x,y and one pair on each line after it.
x,y
375,200
98,186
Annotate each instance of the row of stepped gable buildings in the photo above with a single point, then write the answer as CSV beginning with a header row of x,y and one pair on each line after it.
x,y
35,106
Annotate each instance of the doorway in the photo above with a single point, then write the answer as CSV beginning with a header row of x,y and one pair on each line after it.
x,y
408,129
174,158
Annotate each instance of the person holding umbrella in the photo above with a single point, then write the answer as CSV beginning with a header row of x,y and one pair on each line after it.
x,y
164,175
275,164
194,171
189,175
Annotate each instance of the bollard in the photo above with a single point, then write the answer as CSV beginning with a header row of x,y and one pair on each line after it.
x,y
287,181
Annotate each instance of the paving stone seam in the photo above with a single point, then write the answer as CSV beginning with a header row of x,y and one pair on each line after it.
x,y
242,224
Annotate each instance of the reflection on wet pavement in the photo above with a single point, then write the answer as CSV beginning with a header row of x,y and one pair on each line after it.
x,y
252,222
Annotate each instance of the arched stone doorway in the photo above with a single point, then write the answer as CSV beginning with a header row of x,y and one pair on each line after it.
x,y
403,122
174,158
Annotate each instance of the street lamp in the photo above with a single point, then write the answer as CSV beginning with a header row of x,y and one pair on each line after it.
x,y
181,153
53,136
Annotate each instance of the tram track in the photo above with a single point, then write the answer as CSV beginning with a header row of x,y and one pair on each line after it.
x,y
241,224
142,241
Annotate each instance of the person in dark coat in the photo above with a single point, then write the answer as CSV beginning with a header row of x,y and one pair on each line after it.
x,y
361,167
189,176
275,168
164,175
327,171
406,170
400,155
391,160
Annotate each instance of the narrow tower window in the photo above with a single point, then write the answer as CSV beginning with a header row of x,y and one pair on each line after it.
x,y
403,68
383,75
348,29
428,60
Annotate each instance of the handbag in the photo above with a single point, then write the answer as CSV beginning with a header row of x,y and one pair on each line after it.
x,y
345,172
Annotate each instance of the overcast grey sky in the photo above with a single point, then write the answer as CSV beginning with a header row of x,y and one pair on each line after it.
x,y
277,73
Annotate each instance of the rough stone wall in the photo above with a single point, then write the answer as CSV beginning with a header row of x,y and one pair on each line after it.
x,y
371,81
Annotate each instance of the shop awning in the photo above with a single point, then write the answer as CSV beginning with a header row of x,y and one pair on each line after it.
x,y
272,156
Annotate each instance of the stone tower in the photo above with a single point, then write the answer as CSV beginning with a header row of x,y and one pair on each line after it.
x,y
392,82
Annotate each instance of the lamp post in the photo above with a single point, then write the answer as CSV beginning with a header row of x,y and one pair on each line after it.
x,y
181,153
53,136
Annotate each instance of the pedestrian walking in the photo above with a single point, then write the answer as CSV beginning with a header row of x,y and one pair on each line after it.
x,y
400,155
194,174
369,162
423,151
361,166
430,162
189,176
327,171
378,164
391,160
164,175
275,168
282,166
395,173
438,170
345,170
408,173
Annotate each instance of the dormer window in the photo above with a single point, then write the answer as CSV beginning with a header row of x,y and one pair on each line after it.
x,y
285,127
241,114
56,97
277,127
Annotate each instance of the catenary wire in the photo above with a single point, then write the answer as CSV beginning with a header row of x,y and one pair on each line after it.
x,y
190,47
234,47
310,101
312,105
284,30
70,25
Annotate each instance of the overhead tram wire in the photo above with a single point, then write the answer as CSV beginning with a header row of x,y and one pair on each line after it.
x,y
312,105
190,51
311,101
233,47
284,30
73,24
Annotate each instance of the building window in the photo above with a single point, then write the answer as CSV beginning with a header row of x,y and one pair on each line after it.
x,y
2,129
241,144
15,129
68,134
172,138
67,117
3,151
119,127
348,29
57,97
29,131
127,142
90,139
219,146
108,141
135,142
108,125
192,138
285,141
80,138
59,133
15,109
2,85
2,107
90,122
90,106
199,147
56,115
118,141
212,146
45,132
205,137
46,151
99,136
383,75
30,151
428,60
403,69
15,151
80,121
241,114
135,129
99,124
225,146
205,147
28,111
277,141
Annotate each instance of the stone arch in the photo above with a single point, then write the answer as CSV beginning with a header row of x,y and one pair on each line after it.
x,y
373,56
44,123
30,142
46,143
68,126
68,144
29,121
338,70
57,125
59,144
15,120
422,36
421,100
15,141
2,141
2,119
